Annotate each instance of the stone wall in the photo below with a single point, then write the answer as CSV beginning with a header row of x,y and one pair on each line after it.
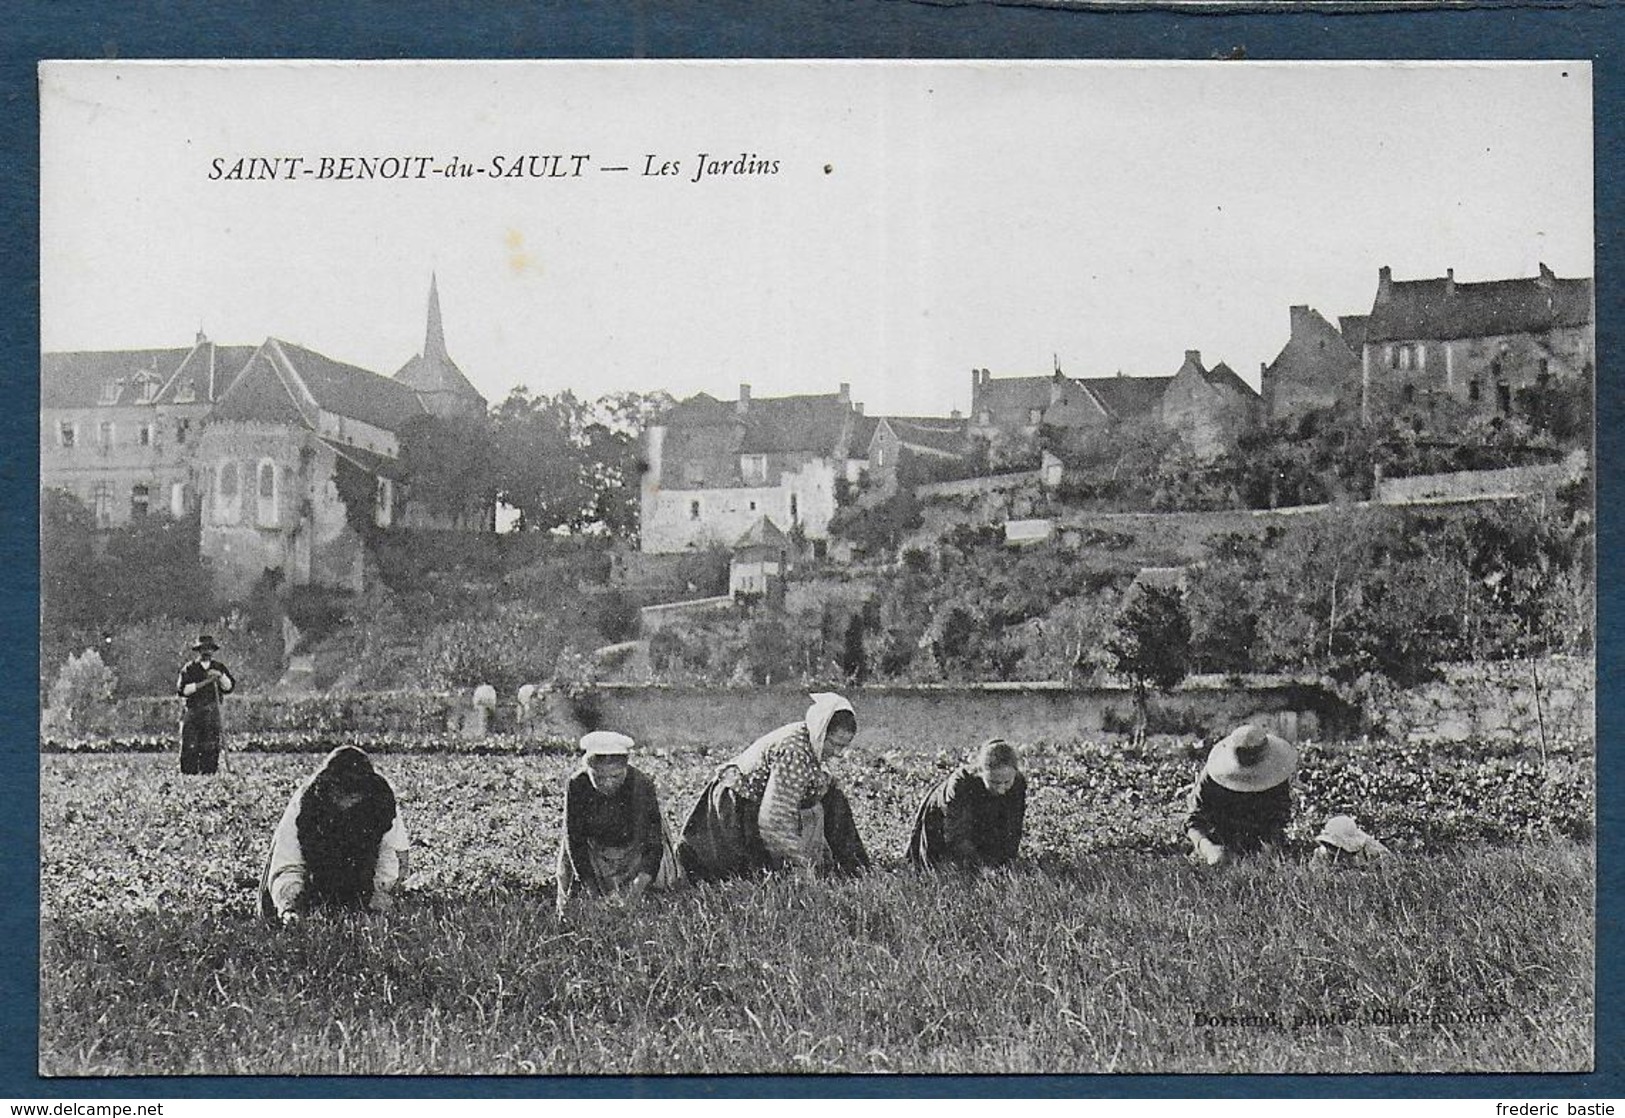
x,y
1506,702
1480,484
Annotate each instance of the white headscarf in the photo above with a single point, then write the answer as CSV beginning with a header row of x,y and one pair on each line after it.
x,y
824,706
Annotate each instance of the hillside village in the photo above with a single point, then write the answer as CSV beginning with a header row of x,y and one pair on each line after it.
x,y
305,478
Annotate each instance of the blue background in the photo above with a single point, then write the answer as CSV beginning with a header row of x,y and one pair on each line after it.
x,y
736,29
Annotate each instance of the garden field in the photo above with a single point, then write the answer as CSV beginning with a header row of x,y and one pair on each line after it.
x,y
1470,950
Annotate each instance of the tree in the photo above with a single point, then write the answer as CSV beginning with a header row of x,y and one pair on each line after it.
x,y
450,463
1150,644
68,583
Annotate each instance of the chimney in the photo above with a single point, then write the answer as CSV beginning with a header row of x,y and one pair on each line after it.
x,y
1263,368
1193,357
1299,317
200,336
1385,281
744,399
858,407
955,414
1547,277
845,394
1450,281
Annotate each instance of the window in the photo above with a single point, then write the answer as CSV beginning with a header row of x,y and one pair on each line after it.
x,y
753,506
265,493
694,475
66,434
693,510
140,502
183,427
383,508
148,386
880,456
1545,369
144,436
186,393
1409,392
228,480
1503,398
111,391
1404,357
1473,392
101,499
104,433
793,513
753,468
1390,356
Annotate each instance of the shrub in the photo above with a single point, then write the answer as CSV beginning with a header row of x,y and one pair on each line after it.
x,y
82,695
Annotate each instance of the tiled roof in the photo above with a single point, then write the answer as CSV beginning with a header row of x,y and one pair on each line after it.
x,y
946,436
80,379
700,410
353,392
1440,309
1223,376
437,373
790,424
376,464
764,533
1001,394
260,393
1124,396
1353,329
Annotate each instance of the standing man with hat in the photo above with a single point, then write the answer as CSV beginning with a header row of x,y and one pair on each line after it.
x,y
202,683
1242,801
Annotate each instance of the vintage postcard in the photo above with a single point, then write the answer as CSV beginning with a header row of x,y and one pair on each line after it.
x,y
557,568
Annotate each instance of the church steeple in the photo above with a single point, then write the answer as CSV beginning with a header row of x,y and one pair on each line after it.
x,y
434,341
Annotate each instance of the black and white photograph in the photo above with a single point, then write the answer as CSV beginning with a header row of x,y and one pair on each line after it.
x,y
816,567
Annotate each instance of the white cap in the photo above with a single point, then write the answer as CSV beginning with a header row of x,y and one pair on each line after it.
x,y
606,743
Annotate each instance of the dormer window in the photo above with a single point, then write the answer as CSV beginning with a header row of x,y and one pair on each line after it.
x,y
187,392
112,390
753,468
148,385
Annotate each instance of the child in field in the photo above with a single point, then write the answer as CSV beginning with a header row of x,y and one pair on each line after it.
x,y
1242,800
340,843
775,806
974,817
1342,840
615,841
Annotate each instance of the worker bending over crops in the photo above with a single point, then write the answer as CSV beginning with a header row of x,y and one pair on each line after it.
x,y
775,806
1242,800
973,818
340,843
615,840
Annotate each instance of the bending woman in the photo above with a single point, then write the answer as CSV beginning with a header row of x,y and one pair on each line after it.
x,y
615,841
974,818
775,806
1242,801
341,842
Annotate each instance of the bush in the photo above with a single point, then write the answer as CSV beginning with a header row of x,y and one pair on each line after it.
x,y
82,696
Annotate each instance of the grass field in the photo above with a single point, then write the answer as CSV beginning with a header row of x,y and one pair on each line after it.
x,y
1470,951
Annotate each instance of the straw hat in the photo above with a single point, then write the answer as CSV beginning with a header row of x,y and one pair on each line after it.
x,y
606,743
1251,759
1343,833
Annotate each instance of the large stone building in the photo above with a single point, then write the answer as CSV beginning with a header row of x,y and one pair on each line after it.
x,y
1477,344
929,444
117,428
714,468
1208,406
258,442
298,455
1319,367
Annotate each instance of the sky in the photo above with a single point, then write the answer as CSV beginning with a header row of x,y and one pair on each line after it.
x,y
924,218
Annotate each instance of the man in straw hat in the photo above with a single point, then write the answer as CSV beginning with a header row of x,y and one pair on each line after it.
x,y
202,683
1242,801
